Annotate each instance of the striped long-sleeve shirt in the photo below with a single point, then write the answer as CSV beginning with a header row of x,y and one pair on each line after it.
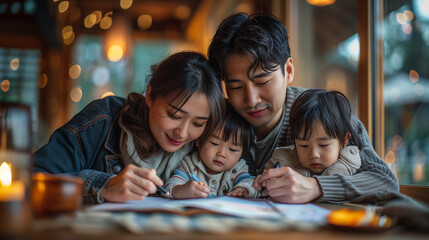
x,y
220,184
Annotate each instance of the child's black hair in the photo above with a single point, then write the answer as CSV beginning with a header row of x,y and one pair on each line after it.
x,y
333,111
234,126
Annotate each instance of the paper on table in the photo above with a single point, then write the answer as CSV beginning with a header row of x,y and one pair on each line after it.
x,y
239,207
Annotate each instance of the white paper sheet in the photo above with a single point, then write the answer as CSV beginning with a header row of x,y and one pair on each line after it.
x,y
239,207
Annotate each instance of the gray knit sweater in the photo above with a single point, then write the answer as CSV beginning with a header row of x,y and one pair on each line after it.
x,y
374,174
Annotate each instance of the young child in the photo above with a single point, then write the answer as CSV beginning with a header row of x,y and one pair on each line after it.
x,y
216,168
326,137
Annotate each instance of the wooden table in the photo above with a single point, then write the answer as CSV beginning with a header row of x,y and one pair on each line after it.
x,y
57,228
323,234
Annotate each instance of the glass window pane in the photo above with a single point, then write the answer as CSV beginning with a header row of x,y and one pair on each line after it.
x,y
325,46
20,79
406,89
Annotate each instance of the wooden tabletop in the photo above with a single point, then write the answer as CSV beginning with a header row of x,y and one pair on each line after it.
x,y
60,228
322,234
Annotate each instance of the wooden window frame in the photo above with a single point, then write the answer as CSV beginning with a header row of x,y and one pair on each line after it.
x,y
371,81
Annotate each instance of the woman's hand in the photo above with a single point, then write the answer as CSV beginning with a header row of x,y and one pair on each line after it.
x,y
239,192
132,183
191,189
287,186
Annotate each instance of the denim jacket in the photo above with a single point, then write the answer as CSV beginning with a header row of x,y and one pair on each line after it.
x,y
87,146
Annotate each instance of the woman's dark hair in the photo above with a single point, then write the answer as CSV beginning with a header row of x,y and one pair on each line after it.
x,y
260,36
333,111
183,74
233,125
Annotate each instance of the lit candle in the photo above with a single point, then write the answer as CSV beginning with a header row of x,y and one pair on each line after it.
x,y
10,190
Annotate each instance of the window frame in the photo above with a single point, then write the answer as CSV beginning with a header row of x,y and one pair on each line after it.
x,y
371,82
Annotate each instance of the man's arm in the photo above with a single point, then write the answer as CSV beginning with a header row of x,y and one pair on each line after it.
x,y
374,175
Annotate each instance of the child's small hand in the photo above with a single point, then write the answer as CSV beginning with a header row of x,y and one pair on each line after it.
x,y
239,192
191,189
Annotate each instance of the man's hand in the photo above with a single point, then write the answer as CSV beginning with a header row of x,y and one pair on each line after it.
x,y
287,186
191,189
239,192
132,183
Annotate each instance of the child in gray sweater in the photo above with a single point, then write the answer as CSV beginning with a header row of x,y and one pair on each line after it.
x,y
216,168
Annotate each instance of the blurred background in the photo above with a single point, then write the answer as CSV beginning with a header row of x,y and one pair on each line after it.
x,y
58,55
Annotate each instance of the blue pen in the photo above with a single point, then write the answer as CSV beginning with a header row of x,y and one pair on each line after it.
x,y
193,177
163,190
276,166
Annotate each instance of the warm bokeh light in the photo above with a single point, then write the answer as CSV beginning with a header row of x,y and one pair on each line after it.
x,y
63,6
144,21
14,64
401,18
90,20
5,85
98,14
115,53
43,80
74,71
5,174
70,39
67,31
414,76
321,3
182,12
125,4
106,94
76,94
117,41
390,157
408,15
106,22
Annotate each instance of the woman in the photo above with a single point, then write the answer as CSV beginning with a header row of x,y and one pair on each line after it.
x,y
122,148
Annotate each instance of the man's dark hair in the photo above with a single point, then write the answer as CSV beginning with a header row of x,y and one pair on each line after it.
x,y
260,36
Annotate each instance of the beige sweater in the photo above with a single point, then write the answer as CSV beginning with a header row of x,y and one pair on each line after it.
x,y
346,165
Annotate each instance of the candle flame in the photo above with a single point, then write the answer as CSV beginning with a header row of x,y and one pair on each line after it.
x,y
5,174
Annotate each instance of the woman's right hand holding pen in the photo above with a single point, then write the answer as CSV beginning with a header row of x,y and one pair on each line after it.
x,y
191,189
132,183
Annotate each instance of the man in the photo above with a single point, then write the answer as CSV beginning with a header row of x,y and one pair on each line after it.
x,y
252,56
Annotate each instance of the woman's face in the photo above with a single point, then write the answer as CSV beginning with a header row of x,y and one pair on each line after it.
x,y
173,127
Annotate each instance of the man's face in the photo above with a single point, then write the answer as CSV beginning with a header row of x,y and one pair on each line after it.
x,y
259,100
